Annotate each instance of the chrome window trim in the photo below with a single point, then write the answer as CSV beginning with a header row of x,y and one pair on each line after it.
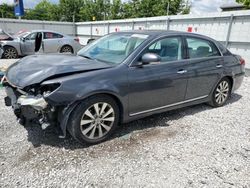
x,y
167,106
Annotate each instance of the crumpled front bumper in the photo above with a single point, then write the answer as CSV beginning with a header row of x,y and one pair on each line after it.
x,y
37,109
24,105
38,103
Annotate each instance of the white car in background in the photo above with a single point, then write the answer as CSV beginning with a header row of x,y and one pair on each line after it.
x,y
24,43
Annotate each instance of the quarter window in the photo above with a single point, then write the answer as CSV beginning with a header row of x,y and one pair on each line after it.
x,y
169,49
199,48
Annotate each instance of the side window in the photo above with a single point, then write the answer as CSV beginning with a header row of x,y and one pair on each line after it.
x,y
50,35
31,36
169,49
198,48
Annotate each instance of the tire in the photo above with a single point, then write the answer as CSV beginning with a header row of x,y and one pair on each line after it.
x,y
221,93
10,53
67,49
86,126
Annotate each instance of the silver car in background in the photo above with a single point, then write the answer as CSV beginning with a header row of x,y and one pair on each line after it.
x,y
52,42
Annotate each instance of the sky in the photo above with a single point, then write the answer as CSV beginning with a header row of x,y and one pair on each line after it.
x,y
198,6
207,6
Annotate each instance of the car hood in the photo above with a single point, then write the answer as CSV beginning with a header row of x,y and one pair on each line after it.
x,y
37,68
8,37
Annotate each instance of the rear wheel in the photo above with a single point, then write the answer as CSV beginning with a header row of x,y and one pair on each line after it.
x,y
221,93
10,53
67,49
94,120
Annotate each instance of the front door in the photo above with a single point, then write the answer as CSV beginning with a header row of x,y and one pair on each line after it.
x,y
28,44
156,86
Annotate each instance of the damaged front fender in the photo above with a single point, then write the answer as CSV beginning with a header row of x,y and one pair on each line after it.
x,y
64,117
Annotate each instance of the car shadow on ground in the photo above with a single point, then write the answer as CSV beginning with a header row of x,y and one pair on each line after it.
x,y
39,137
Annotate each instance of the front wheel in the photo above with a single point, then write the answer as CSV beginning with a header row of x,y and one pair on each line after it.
x,y
94,119
10,53
221,93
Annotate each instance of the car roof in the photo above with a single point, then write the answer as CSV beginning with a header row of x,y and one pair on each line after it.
x,y
42,30
158,33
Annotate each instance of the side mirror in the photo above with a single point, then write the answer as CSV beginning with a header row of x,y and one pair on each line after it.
x,y
150,58
23,39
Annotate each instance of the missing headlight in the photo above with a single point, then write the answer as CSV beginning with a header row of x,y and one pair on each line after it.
x,y
45,90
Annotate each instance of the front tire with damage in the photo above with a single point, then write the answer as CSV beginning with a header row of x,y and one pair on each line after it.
x,y
94,119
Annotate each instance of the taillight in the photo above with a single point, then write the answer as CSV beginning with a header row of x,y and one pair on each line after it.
x,y
77,39
242,61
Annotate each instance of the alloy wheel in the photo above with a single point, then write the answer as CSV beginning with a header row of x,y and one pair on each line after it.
x,y
66,49
97,120
222,92
10,53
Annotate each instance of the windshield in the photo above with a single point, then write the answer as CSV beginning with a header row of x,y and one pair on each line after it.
x,y
113,48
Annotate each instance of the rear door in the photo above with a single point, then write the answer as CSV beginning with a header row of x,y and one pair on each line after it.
x,y
52,42
205,67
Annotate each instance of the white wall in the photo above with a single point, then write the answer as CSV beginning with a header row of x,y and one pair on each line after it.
x,y
13,26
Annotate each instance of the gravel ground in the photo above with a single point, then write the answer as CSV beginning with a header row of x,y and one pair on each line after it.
x,y
197,146
4,63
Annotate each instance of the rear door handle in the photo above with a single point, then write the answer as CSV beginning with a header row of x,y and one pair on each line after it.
x,y
182,72
219,66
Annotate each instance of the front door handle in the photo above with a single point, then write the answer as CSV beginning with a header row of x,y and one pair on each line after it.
x,y
219,66
182,72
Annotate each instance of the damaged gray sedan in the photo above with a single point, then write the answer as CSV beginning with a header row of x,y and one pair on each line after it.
x,y
119,78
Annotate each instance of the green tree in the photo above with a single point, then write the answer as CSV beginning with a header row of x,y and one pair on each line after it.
x,y
7,11
149,8
44,11
100,9
116,9
70,10
244,2
85,10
